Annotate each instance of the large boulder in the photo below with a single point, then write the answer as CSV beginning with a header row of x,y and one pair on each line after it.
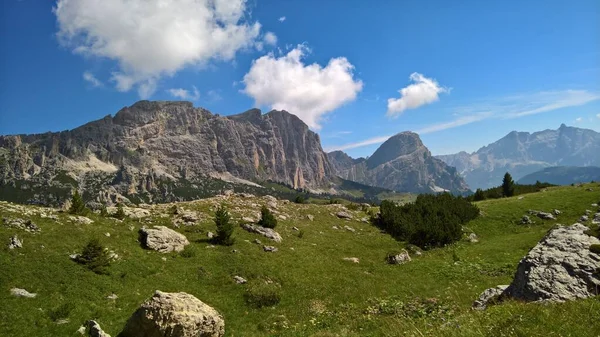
x,y
163,239
266,232
174,315
559,268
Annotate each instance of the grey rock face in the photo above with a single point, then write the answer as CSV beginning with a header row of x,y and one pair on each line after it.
x,y
487,296
163,239
271,249
545,216
18,292
15,242
401,258
525,220
343,215
174,315
152,141
95,330
559,268
522,153
402,163
266,232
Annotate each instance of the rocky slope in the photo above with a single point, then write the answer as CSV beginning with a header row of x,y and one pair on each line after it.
x,y
149,145
402,163
522,153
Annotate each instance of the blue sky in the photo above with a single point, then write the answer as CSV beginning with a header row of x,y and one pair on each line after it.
x,y
461,73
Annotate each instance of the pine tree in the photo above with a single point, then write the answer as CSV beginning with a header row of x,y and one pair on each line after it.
x,y
120,213
95,257
508,186
267,219
224,227
479,195
77,205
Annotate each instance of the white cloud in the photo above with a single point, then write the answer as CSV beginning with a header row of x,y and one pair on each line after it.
x,y
578,120
154,38
213,96
370,141
520,106
281,19
270,38
423,91
185,94
308,91
463,120
598,115
88,76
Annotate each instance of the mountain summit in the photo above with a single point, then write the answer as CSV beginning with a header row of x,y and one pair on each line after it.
x,y
401,163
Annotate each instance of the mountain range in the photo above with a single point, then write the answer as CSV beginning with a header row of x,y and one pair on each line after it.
x,y
522,153
563,175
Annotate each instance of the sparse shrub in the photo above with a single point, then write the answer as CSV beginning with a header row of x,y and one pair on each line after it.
x,y
103,211
299,199
94,257
224,227
61,312
478,196
77,205
173,209
120,213
262,294
595,249
353,207
431,221
334,201
267,219
188,252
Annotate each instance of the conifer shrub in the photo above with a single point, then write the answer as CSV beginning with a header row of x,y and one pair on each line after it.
x,y
267,219
77,205
224,227
300,199
431,221
94,257
120,213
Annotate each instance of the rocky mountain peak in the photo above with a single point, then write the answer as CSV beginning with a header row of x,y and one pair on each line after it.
x,y
401,144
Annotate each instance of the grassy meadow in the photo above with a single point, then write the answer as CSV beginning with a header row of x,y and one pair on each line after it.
x,y
321,294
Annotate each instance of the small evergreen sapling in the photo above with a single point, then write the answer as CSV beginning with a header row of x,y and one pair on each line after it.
x,y
267,219
224,227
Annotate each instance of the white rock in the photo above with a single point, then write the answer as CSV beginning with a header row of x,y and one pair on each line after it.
x,y
18,292
163,239
352,259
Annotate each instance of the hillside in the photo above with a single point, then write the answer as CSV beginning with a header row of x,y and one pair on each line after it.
x,y
522,153
563,175
402,163
321,294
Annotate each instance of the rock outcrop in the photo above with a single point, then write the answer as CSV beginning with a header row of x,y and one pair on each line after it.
x,y
402,163
151,145
559,268
94,330
174,315
266,232
163,239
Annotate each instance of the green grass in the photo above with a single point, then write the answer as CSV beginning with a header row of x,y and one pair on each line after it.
x,y
320,294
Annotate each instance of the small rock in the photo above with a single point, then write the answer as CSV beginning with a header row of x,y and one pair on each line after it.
x,y
272,249
525,220
95,330
62,321
295,228
365,220
74,257
594,205
15,242
584,218
248,219
400,258
350,229
488,296
81,330
310,217
107,234
18,292
334,227
343,215
211,246
545,216
520,198
282,217
266,232
257,241
556,212
82,220
588,212
164,259
112,296
239,279
472,238
210,235
351,259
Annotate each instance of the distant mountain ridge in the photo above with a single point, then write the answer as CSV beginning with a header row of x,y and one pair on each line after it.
x,y
402,163
563,175
522,153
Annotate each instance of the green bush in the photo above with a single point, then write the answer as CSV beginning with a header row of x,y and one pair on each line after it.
x,y
224,227
77,205
479,195
188,252
267,219
595,249
300,199
431,221
61,312
262,294
94,257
